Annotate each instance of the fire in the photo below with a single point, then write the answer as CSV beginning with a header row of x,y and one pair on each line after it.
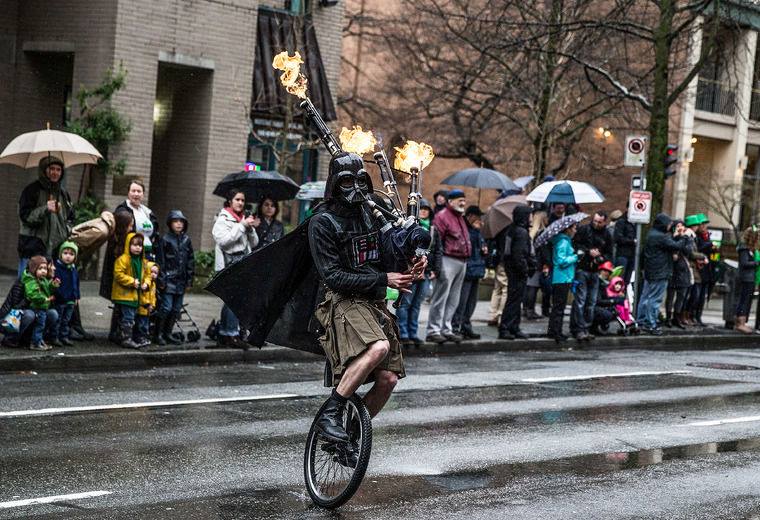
x,y
291,78
413,155
356,140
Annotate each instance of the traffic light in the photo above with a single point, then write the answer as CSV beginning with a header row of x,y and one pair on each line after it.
x,y
670,162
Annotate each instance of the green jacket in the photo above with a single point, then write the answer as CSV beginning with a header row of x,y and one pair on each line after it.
x,y
37,292
757,271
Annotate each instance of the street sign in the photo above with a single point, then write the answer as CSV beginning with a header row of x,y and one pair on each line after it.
x,y
639,207
635,151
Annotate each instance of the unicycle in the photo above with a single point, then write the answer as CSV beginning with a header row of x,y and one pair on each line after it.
x,y
334,470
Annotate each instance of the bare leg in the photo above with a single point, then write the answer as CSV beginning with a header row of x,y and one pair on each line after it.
x,y
361,367
375,399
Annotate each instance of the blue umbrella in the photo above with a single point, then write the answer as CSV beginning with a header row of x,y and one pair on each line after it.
x,y
566,192
481,178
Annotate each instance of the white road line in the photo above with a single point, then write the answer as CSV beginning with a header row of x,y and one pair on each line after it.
x,y
149,404
56,498
718,422
600,376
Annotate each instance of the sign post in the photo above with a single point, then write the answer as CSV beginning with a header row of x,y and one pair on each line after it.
x,y
639,212
635,151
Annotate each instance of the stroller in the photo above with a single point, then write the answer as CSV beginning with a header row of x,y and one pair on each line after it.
x,y
613,306
188,330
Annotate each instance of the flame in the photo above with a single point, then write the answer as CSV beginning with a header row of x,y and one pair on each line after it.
x,y
356,140
292,79
413,155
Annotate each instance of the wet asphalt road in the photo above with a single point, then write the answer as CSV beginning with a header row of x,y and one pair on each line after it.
x,y
518,435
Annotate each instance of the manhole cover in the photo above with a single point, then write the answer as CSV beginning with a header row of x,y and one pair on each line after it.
x,y
722,366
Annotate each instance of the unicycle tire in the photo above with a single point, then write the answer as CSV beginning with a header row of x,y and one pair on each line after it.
x,y
329,482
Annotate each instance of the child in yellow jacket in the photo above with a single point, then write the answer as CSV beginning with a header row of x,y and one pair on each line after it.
x,y
131,278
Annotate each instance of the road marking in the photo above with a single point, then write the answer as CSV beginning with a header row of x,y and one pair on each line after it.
x,y
601,376
149,404
48,500
718,422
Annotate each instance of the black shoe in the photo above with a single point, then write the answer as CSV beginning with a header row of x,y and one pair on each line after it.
x,y
655,332
435,338
330,421
532,316
506,335
590,337
66,342
9,342
79,334
468,334
560,338
417,341
453,336
167,329
53,342
581,336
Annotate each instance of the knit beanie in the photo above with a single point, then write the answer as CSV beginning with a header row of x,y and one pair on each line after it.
x,y
34,263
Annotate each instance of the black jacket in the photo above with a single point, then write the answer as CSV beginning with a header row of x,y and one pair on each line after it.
x,y
345,247
659,250
436,253
269,233
681,272
625,237
521,260
747,264
588,238
153,220
174,255
14,300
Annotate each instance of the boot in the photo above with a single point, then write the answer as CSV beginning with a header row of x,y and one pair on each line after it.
x,y
126,336
158,336
168,328
76,327
114,333
330,422
675,322
741,325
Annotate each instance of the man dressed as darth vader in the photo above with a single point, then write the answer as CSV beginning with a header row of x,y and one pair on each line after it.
x,y
360,336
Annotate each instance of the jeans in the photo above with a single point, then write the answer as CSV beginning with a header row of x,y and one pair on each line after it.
x,y
446,293
22,263
171,304
228,324
559,300
510,316
408,312
649,303
45,321
129,318
65,312
586,292
744,303
468,299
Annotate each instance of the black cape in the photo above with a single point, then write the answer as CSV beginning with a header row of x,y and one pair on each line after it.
x,y
273,291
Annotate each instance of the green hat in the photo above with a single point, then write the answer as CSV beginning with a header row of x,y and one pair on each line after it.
x,y
67,244
703,218
691,220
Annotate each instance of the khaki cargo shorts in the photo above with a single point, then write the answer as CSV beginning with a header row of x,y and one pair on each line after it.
x,y
351,325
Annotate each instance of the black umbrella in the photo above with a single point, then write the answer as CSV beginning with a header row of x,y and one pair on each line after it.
x,y
557,227
259,184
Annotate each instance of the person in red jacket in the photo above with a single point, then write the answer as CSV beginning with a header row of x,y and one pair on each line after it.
x,y
454,236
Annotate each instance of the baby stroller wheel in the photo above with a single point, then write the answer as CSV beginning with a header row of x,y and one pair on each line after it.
x,y
193,336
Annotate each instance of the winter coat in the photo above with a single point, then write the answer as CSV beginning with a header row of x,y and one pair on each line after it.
x,y
436,253
68,290
625,237
705,246
682,274
148,299
41,231
14,300
476,264
588,238
520,261
269,232
232,237
563,260
151,234
452,230
659,250
174,256
37,291
747,264
123,290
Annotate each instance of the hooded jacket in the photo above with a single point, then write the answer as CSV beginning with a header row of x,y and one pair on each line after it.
x,y
174,255
36,291
123,291
521,260
563,259
68,291
41,231
659,250
148,298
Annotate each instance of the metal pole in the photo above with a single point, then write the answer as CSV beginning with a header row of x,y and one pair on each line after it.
x,y
636,260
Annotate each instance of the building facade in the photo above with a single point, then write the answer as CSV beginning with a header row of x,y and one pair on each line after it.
x,y
188,91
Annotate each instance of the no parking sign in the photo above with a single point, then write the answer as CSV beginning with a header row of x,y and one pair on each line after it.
x,y
639,207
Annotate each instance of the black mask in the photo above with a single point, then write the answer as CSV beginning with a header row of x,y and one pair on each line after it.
x,y
349,182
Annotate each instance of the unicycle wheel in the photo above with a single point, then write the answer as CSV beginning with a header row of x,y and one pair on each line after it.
x,y
333,470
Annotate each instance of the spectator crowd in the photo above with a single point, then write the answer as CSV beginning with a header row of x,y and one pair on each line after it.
x,y
148,267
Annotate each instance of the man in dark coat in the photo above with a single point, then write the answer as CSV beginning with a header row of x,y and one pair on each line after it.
x,y
595,243
520,264
174,255
659,250
625,242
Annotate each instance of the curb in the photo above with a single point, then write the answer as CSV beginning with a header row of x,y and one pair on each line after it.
x,y
141,360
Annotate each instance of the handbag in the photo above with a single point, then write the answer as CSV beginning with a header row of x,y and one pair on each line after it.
x,y
12,322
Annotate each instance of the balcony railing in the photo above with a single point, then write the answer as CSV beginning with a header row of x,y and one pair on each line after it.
x,y
714,96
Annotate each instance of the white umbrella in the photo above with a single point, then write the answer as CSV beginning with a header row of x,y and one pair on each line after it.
x,y
27,149
566,192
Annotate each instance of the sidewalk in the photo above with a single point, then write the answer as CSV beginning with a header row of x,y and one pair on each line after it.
x,y
203,307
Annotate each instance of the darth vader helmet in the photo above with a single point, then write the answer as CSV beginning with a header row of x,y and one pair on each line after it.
x,y
348,182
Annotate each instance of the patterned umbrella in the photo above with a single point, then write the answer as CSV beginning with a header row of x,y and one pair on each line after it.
x,y
557,227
